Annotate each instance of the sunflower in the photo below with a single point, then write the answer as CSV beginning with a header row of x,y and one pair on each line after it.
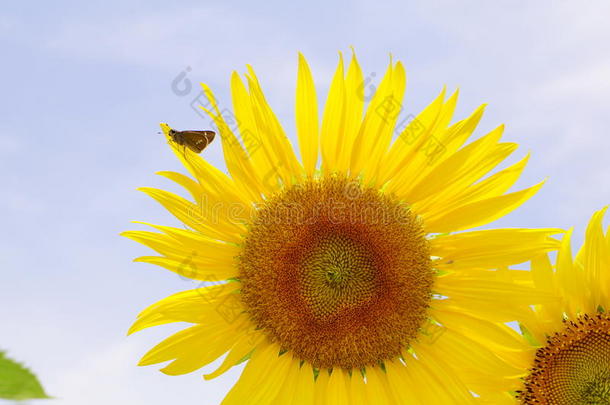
x,y
342,277
571,361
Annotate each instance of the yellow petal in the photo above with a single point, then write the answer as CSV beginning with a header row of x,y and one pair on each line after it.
x,y
429,147
479,213
497,398
304,392
202,254
498,336
191,348
235,156
307,117
492,248
495,185
357,388
410,140
205,219
213,182
288,390
246,343
424,384
470,356
458,133
443,380
337,392
187,267
321,386
493,292
439,168
482,309
194,239
333,121
389,110
462,168
542,273
377,387
570,278
272,133
354,107
194,306
376,131
594,258
263,159
189,184
261,379
404,389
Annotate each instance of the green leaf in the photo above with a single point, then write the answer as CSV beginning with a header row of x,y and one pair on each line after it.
x,y
17,382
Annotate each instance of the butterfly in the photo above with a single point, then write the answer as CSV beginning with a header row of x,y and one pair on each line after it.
x,y
196,141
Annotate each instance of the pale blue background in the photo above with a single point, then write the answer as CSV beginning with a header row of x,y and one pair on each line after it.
x,y
84,85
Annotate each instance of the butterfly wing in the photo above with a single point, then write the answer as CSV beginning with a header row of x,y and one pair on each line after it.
x,y
197,141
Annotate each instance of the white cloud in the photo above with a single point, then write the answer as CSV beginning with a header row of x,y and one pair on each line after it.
x,y
212,40
109,375
10,143
8,24
589,84
101,378
210,36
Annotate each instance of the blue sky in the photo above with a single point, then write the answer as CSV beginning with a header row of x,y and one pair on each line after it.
x,y
86,84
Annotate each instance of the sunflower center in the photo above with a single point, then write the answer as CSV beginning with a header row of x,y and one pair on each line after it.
x,y
574,366
337,273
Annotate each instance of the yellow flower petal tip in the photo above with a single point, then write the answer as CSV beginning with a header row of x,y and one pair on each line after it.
x,y
165,128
